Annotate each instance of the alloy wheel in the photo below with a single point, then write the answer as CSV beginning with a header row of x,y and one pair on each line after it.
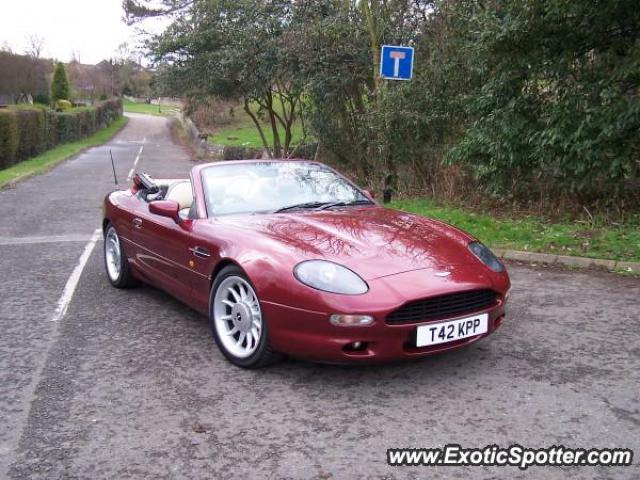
x,y
237,316
113,254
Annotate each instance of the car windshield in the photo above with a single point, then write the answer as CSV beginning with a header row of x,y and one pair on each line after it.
x,y
262,187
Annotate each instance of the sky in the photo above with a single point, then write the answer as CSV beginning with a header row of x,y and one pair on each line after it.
x,y
93,29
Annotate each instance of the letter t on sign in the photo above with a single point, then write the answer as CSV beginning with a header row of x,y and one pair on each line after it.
x,y
397,56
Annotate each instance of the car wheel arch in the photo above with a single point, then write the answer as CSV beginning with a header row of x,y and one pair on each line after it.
x,y
222,263
251,268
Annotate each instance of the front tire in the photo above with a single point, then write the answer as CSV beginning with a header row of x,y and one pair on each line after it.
x,y
115,260
237,323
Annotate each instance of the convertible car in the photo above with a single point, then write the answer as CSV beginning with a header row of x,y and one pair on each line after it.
x,y
290,257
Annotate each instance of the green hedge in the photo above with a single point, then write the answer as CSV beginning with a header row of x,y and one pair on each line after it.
x,y
8,138
28,131
32,132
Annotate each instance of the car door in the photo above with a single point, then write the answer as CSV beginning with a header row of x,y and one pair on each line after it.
x,y
126,207
205,251
164,251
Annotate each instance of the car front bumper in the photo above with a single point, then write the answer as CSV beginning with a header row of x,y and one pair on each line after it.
x,y
309,335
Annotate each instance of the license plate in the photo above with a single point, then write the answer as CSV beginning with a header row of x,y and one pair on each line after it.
x,y
452,330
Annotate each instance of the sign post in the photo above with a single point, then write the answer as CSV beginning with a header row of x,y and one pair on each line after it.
x,y
396,62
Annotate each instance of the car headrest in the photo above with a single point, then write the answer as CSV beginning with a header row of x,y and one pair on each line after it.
x,y
181,192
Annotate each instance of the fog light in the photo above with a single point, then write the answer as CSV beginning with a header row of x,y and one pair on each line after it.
x,y
355,347
340,320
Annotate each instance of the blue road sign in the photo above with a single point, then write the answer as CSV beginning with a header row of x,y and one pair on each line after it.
x,y
396,63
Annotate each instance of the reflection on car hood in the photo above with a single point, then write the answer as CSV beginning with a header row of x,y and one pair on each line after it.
x,y
372,241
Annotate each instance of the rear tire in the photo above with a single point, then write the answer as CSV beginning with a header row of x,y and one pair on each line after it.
x,y
115,260
237,322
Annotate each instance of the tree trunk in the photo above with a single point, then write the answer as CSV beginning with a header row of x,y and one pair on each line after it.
x,y
277,146
259,127
372,13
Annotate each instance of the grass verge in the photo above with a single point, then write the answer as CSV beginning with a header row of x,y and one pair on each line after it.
x,y
246,135
593,238
49,159
242,132
149,109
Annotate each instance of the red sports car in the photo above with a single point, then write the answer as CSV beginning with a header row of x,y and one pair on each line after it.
x,y
290,257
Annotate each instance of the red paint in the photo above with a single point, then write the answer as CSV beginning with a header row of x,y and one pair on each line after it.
x,y
396,253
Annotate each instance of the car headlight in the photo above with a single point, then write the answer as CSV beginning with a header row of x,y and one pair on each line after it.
x,y
486,256
330,277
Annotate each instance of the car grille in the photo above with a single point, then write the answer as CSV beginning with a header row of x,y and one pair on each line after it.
x,y
443,306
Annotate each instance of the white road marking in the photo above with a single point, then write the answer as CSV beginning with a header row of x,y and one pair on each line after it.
x,y
74,278
135,162
72,237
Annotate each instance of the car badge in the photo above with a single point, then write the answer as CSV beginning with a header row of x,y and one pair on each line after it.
x,y
442,274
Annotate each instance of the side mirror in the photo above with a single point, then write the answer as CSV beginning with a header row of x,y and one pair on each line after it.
x,y
165,208
369,194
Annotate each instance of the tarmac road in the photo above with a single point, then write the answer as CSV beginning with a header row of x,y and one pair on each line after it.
x,y
128,384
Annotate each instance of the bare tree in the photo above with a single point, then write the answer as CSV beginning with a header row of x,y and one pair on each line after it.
x,y
35,46
124,52
22,76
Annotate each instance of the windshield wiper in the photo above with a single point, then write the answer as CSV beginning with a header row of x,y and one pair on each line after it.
x,y
302,205
344,204
322,205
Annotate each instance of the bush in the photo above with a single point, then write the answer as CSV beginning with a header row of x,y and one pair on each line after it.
x,y
42,99
59,85
28,131
241,153
108,111
8,138
32,132
63,105
556,110
66,127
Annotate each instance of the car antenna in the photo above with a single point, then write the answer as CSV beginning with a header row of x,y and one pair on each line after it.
x,y
113,165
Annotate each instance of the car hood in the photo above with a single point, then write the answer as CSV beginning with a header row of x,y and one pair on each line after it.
x,y
372,241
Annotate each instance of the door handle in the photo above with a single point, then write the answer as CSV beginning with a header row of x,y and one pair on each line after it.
x,y
200,252
137,222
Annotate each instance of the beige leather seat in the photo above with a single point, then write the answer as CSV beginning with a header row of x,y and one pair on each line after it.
x,y
181,192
